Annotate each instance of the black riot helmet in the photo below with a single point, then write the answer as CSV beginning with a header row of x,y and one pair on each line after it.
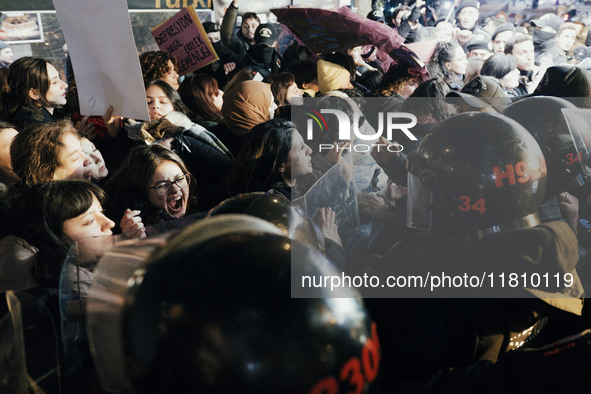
x,y
213,313
274,208
543,118
475,174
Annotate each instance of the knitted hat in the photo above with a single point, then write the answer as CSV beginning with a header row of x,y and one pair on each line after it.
x,y
507,26
331,76
468,3
210,27
376,15
3,45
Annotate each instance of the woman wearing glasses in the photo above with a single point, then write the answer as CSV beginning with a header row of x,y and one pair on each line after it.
x,y
152,186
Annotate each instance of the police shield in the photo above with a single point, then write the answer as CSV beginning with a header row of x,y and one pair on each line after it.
x,y
335,189
116,270
29,359
578,121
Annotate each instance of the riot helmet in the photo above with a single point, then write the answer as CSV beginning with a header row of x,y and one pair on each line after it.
x,y
213,313
543,118
475,174
274,208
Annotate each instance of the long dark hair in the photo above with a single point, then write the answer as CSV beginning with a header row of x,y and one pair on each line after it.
x,y
196,92
428,99
129,185
498,65
280,85
258,164
35,151
40,213
444,52
24,74
173,96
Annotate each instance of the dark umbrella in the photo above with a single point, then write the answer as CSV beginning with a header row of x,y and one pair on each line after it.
x,y
327,31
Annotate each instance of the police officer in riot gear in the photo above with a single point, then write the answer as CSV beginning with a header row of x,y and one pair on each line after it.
x,y
542,117
475,185
213,313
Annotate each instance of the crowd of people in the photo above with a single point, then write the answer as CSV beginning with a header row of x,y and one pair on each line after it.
x,y
495,179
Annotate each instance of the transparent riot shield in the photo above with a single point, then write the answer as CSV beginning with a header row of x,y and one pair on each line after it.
x,y
578,121
112,277
76,284
75,281
29,344
77,276
335,189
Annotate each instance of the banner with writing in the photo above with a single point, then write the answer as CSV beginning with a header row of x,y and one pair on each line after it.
x,y
184,38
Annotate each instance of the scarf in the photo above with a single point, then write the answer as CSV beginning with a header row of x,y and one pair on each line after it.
x,y
246,106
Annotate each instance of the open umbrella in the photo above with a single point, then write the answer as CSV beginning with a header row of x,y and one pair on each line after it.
x,y
326,31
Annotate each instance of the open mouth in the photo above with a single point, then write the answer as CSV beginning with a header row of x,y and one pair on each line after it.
x,y
175,204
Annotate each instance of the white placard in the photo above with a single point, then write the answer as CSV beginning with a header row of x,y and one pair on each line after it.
x,y
104,57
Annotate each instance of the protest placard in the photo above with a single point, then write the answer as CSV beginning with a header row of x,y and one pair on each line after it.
x,y
184,38
104,57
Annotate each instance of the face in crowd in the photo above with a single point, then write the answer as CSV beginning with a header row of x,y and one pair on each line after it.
x,y
500,41
159,105
248,28
293,94
299,159
73,163
510,80
566,39
98,168
6,137
91,223
214,36
458,63
6,55
171,77
218,99
467,17
169,189
523,52
56,94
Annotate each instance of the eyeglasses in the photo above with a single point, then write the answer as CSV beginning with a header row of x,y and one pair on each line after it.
x,y
163,187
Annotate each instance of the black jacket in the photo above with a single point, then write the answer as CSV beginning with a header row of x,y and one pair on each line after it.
x,y
263,59
232,37
450,345
26,116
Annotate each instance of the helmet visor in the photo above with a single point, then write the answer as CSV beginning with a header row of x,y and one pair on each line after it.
x,y
578,121
419,202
